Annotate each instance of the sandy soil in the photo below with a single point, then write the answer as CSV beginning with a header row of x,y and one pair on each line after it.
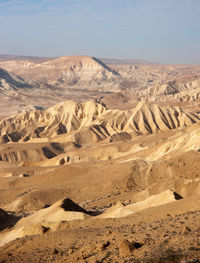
x,y
115,179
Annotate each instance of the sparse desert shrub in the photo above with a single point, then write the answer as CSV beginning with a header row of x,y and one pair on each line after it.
x,y
165,256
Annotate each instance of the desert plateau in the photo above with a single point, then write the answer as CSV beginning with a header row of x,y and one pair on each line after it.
x,y
99,160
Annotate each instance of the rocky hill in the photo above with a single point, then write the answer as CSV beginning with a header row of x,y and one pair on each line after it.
x,y
133,176
9,81
69,70
92,121
187,89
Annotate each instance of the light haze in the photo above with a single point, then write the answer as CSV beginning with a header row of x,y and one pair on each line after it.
x,y
164,31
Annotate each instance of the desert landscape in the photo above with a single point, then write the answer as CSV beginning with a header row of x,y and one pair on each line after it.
x,y
99,160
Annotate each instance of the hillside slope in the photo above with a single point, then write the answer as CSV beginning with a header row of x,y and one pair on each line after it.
x,y
93,120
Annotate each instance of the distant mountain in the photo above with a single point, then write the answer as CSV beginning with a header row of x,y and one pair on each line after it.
x,y
52,81
9,81
71,70
6,57
30,82
112,61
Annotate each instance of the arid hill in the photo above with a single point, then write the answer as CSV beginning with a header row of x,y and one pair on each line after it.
x,y
11,82
99,163
7,57
63,70
93,120
111,61
81,78
52,81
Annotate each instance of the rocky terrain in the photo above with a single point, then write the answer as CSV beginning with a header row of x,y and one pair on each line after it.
x,y
99,163
56,80
120,84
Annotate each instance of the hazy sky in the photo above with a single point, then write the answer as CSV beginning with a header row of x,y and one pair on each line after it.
x,y
165,31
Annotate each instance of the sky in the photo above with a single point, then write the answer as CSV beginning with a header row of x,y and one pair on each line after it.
x,y
163,31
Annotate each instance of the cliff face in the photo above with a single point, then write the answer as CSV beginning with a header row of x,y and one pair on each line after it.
x,y
71,70
47,82
9,81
